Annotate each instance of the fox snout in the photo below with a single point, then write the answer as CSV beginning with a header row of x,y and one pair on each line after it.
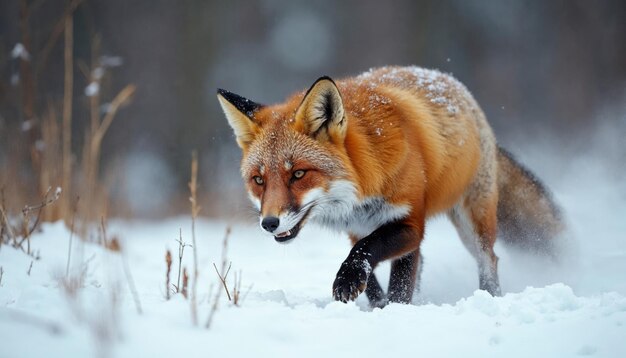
x,y
270,223
284,227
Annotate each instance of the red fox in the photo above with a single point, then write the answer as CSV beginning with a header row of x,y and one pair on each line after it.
x,y
375,156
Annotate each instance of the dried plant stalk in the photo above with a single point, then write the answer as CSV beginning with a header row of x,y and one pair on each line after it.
x,y
181,252
39,207
51,174
223,279
93,146
168,263
195,210
67,115
129,279
69,247
55,35
185,282
214,306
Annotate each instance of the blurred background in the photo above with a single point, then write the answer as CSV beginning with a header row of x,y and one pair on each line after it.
x,y
117,93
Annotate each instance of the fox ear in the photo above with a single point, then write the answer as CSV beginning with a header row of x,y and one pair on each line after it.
x,y
240,112
321,114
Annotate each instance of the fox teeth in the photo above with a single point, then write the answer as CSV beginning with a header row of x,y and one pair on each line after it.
x,y
286,233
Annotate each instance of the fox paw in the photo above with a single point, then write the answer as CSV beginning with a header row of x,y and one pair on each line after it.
x,y
351,280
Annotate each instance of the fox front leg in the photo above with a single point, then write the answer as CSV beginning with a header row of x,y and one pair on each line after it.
x,y
388,241
352,278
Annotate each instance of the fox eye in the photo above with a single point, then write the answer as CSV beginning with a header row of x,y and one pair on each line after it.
x,y
298,174
258,180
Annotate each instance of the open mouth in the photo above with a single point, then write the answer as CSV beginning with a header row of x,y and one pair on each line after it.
x,y
290,234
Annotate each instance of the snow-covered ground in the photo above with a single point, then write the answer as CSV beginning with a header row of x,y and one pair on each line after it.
x,y
578,308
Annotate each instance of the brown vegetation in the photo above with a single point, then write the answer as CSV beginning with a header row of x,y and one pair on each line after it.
x,y
41,151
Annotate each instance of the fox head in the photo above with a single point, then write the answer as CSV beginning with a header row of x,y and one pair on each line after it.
x,y
294,159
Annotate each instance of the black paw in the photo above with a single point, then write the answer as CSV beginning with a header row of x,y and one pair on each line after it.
x,y
351,280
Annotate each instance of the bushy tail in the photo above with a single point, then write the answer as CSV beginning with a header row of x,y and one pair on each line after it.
x,y
528,218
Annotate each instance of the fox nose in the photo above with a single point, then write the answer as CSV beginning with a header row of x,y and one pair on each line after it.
x,y
270,223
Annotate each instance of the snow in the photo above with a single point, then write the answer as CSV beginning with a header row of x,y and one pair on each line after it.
x,y
19,51
577,308
111,61
27,125
438,87
92,89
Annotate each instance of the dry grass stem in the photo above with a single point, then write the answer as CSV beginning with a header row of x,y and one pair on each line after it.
x,y
30,268
69,246
195,210
103,238
238,298
56,34
27,83
130,281
6,225
67,113
122,98
168,263
185,283
214,306
93,142
225,247
114,245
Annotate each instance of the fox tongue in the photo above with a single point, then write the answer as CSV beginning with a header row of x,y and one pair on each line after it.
x,y
284,234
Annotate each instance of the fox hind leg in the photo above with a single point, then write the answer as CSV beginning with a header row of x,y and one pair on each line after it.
x,y
403,282
375,293
404,277
476,225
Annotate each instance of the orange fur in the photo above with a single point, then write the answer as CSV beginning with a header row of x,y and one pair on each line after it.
x,y
392,146
409,160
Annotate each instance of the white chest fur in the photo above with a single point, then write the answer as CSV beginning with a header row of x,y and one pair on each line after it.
x,y
340,209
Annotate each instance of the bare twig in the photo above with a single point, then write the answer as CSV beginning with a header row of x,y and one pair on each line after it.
x,y
30,267
46,201
1,274
39,207
195,209
181,251
223,279
224,260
